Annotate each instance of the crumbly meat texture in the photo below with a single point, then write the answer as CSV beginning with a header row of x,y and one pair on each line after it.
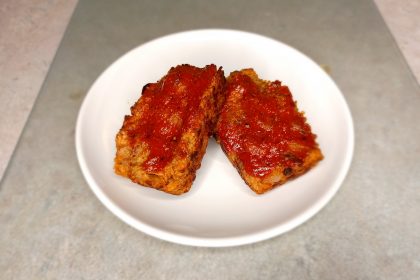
x,y
162,142
262,132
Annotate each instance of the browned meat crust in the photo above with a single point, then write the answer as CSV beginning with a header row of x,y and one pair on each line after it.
x,y
162,142
262,132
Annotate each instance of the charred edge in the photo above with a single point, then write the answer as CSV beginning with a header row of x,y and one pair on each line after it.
x,y
287,171
145,87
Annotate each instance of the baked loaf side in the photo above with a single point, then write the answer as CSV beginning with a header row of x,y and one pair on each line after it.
x,y
262,132
162,142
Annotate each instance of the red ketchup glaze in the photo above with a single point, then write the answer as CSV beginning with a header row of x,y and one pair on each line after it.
x,y
267,124
173,107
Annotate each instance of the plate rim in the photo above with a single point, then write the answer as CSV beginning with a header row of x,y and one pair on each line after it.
x,y
191,240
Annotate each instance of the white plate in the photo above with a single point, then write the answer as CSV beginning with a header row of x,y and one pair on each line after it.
x,y
220,210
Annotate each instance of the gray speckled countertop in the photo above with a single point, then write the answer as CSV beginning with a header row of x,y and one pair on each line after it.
x,y
53,227
30,32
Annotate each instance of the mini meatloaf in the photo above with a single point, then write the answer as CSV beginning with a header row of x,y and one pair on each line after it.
x,y
162,142
262,132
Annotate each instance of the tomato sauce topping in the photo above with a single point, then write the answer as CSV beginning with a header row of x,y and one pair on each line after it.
x,y
263,126
172,106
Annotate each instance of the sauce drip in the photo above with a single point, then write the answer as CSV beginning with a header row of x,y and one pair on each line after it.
x,y
263,126
171,108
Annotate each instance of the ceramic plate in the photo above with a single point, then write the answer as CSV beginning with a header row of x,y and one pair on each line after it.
x,y
220,210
